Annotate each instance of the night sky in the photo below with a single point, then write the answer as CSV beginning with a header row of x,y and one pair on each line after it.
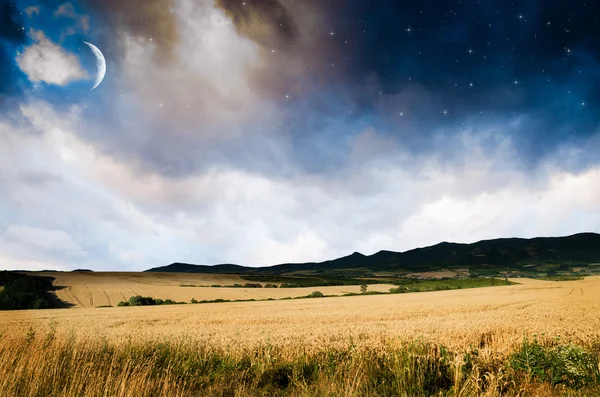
x,y
266,131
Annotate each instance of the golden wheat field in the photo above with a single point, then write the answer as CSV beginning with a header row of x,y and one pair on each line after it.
x,y
455,318
87,289
469,342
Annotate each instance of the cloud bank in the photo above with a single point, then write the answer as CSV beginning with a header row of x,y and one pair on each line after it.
x,y
142,218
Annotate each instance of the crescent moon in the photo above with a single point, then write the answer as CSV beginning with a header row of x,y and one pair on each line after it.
x,y
100,64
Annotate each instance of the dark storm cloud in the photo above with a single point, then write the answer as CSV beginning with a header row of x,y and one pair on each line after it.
x,y
267,22
12,34
143,18
439,45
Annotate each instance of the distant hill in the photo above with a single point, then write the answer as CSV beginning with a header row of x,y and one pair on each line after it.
x,y
189,268
504,253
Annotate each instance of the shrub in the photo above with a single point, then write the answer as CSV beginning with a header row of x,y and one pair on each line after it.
x,y
563,364
363,288
315,294
139,300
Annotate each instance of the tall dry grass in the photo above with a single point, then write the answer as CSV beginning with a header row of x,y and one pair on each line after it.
x,y
51,364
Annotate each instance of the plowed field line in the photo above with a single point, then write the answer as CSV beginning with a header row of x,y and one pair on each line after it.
x,y
69,291
106,296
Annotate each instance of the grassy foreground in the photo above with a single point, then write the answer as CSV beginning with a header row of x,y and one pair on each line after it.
x,y
60,365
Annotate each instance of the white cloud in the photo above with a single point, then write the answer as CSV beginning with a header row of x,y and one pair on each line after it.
x,y
65,10
49,240
46,62
16,263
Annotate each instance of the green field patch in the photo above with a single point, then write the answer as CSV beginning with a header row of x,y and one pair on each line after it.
x,y
410,285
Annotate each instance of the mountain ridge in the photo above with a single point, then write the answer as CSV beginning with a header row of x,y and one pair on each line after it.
x,y
491,253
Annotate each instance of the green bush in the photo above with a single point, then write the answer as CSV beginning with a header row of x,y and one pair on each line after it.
x,y
139,300
315,294
253,285
563,364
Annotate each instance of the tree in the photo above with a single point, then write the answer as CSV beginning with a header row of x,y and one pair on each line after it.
x,y
363,288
